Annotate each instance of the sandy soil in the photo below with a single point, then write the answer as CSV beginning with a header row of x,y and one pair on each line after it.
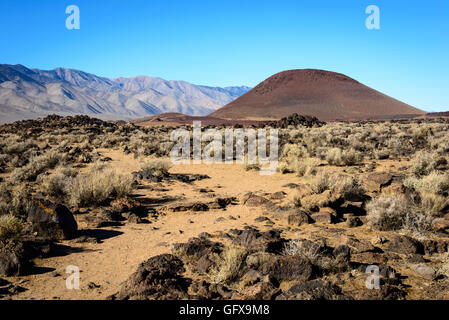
x,y
109,263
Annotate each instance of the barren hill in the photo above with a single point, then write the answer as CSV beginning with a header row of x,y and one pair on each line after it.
x,y
323,94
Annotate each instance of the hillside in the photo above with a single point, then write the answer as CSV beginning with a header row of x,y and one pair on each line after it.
x,y
323,94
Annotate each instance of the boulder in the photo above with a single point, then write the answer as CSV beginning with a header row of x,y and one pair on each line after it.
x,y
157,278
252,200
425,271
313,290
315,201
290,268
254,240
374,182
298,218
325,215
404,245
259,291
54,221
12,259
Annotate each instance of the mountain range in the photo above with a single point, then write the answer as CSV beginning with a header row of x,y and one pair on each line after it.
x,y
31,93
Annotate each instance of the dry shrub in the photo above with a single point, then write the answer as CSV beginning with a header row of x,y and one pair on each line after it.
x,y
304,167
58,183
394,212
320,183
99,186
36,166
336,156
423,163
10,227
433,191
434,183
349,187
387,213
230,265
14,199
156,167
381,154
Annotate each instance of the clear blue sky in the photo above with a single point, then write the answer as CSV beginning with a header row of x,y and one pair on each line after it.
x,y
239,42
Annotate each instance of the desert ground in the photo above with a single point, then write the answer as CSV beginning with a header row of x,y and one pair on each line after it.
x,y
104,197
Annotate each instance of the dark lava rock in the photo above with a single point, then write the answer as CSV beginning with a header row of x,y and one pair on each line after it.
x,y
324,258
298,218
15,256
157,278
288,268
12,259
313,290
52,220
404,245
197,248
252,239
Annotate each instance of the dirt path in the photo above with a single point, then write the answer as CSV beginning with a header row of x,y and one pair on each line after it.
x,y
109,263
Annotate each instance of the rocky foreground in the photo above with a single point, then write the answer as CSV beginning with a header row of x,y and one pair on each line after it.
x,y
350,200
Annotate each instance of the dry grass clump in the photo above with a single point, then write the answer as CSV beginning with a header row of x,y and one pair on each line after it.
x,y
36,166
387,213
156,167
305,167
381,154
58,183
251,167
395,212
99,186
336,156
229,267
14,199
433,192
435,183
423,163
348,187
10,227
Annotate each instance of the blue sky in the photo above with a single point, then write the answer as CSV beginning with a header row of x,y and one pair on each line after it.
x,y
239,42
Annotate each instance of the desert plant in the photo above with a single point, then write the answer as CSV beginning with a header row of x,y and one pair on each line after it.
x,y
230,265
156,167
434,183
304,167
387,212
10,227
423,163
97,187
334,156
36,166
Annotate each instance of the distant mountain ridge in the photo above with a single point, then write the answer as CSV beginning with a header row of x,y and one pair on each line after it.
x,y
30,93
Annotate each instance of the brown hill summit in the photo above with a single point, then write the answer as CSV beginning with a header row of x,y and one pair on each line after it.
x,y
323,94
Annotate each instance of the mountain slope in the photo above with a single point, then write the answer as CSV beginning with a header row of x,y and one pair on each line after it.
x,y
31,93
323,94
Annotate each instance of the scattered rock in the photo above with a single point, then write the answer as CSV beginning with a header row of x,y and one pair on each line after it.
x,y
404,245
252,200
298,218
288,268
313,290
325,215
157,278
252,239
52,220
377,180
424,270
